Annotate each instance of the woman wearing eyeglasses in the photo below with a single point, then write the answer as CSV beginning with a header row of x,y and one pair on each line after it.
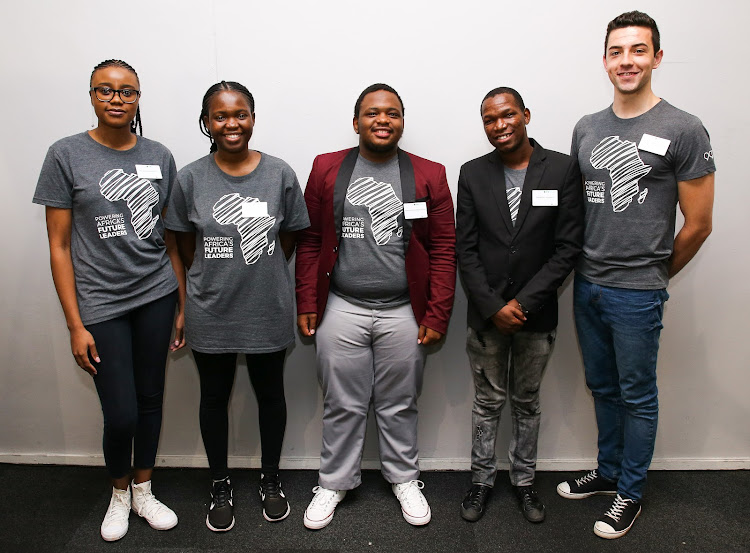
x,y
114,269
236,212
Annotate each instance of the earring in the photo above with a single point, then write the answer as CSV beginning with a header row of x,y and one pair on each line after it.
x,y
93,117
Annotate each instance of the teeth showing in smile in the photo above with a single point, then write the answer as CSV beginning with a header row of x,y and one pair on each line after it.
x,y
232,136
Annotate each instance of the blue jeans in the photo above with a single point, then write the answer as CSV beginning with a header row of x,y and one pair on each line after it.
x,y
618,331
507,366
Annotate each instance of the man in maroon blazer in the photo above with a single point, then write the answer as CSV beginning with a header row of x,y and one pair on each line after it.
x,y
375,276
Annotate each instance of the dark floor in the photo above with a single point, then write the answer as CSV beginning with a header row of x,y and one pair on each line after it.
x,y
59,509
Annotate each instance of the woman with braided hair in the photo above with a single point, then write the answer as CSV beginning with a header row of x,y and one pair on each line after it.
x,y
119,279
236,213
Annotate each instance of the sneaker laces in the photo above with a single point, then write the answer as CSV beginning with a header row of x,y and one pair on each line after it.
x,y
322,499
150,507
618,506
590,477
221,494
409,492
527,496
477,496
119,508
271,486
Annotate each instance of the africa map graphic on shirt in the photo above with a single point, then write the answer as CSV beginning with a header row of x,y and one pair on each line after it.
x,y
625,167
139,195
253,230
382,203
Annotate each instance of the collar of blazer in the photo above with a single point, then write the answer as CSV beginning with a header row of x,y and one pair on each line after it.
x,y
344,177
534,173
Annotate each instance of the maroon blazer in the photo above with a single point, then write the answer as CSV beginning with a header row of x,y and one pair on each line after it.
x,y
430,243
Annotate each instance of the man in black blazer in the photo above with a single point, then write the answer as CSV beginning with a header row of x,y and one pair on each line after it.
x,y
519,231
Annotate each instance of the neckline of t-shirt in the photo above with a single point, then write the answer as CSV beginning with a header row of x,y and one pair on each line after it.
x,y
653,109
237,178
138,140
366,162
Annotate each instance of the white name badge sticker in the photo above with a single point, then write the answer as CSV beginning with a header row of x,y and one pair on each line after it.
x,y
654,144
148,171
540,198
415,210
255,209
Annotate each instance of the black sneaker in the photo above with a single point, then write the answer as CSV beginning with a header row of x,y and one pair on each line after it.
x,y
591,483
472,507
529,503
221,512
618,519
275,505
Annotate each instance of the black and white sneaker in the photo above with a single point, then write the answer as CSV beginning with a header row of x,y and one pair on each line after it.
x,y
221,512
591,483
275,505
618,519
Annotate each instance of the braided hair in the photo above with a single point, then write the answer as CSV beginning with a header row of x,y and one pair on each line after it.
x,y
135,124
210,93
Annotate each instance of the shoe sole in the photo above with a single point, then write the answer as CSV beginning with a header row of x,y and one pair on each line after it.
x,y
213,529
114,538
169,526
317,524
571,495
615,535
417,521
282,517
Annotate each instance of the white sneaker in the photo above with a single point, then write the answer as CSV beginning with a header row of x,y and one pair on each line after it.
x,y
414,506
115,523
145,505
319,512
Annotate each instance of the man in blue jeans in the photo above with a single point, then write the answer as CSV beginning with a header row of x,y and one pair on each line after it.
x,y
639,158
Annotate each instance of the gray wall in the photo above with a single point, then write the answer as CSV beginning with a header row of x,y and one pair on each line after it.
x,y
306,63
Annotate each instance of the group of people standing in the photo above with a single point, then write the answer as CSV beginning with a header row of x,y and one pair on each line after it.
x,y
133,241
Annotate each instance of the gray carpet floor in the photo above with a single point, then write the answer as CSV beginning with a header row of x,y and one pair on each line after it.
x,y
59,509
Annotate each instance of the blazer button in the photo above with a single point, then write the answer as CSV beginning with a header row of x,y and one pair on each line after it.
x,y
335,249
328,275
513,250
510,281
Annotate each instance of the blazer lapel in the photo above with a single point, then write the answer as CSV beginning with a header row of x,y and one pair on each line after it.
x,y
532,181
408,191
343,178
496,179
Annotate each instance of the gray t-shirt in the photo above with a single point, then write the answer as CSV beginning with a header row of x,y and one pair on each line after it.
x,y
371,266
630,186
117,237
513,188
239,289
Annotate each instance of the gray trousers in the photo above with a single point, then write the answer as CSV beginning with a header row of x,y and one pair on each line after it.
x,y
368,355
504,365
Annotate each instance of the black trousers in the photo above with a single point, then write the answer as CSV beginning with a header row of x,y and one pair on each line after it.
x,y
217,378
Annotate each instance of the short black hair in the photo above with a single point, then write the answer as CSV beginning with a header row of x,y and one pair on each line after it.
x,y
374,88
504,90
634,19
135,124
210,93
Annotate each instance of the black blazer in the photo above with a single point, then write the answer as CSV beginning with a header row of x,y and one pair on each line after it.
x,y
528,261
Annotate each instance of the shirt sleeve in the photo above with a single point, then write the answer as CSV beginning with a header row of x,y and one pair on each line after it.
x,y
693,157
177,217
295,209
55,185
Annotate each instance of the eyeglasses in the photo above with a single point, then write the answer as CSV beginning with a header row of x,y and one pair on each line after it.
x,y
105,94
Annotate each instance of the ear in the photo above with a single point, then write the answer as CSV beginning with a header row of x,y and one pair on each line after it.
x,y
355,123
604,61
657,58
527,115
205,123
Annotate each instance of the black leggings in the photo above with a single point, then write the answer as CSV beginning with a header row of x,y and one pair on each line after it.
x,y
130,382
217,377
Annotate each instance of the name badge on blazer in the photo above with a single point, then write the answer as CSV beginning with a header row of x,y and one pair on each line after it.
x,y
540,198
415,210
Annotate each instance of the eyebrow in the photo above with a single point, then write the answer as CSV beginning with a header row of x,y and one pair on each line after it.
x,y
638,45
